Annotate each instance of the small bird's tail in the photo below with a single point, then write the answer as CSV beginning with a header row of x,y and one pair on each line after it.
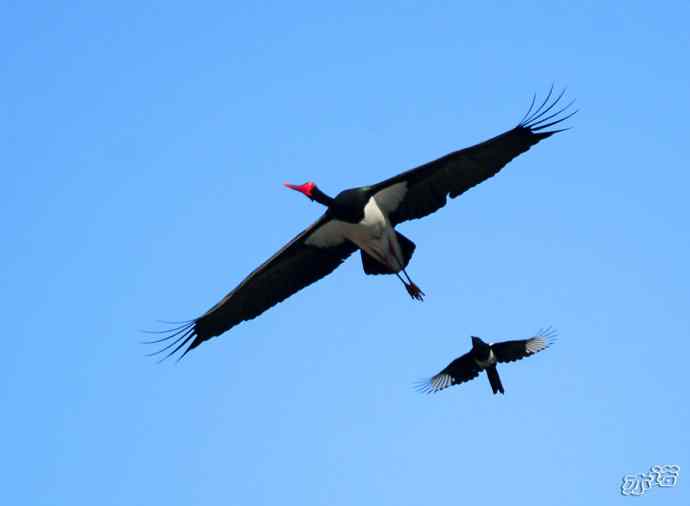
x,y
494,379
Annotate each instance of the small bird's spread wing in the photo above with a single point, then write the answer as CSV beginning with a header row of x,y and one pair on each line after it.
x,y
297,265
510,351
460,370
423,190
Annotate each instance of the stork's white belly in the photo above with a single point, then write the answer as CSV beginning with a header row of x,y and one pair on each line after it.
x,y
374,234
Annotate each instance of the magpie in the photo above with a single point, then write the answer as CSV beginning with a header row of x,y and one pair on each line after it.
x,y
483,357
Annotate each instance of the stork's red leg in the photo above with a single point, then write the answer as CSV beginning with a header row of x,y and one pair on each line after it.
x,y
414,291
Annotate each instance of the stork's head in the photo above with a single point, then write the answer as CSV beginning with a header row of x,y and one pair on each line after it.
x,y
306,188
312,191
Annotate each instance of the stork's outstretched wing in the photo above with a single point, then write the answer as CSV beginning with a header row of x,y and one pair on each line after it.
x,y
423,190
297,265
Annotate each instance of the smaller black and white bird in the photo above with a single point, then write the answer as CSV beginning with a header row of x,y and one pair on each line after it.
x,y
484,357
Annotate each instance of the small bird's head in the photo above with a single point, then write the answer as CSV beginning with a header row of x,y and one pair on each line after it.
x,y
480,349
478,343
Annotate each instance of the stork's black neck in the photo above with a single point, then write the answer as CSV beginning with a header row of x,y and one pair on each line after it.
x,y
347,206
320,197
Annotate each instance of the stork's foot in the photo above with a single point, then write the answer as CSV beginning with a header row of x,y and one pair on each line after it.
x,y
414,291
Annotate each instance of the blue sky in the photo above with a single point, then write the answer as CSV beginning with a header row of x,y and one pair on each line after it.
x,y
143,151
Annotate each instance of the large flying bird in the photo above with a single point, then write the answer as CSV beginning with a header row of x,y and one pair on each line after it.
x,y
364,219
484,357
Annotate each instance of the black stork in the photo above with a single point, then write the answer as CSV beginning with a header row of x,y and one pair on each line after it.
x,y
484,357
364,218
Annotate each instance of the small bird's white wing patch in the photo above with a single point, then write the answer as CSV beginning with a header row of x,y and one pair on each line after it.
x,y
541,341
390,197
435,383
535,344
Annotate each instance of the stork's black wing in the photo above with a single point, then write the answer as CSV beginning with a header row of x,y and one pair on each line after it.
x,y
423,190
297,265
460,370
510,351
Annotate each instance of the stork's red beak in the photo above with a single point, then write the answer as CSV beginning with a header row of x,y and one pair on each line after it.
x,y
306,188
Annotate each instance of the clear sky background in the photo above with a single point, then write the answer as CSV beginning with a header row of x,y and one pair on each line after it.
x,y
143,149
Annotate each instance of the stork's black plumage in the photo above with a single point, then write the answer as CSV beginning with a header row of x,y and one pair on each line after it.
x,y
363,218
484,357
